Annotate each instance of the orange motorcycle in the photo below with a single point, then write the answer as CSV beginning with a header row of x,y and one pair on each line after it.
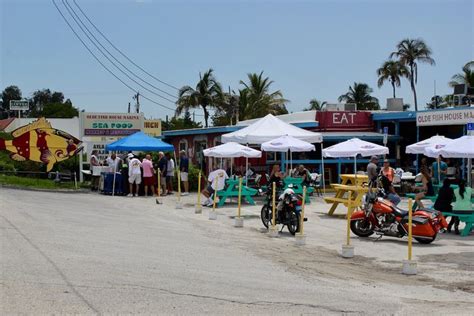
x,y
382,217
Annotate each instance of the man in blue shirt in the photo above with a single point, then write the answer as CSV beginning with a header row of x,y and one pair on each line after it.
x,y
184,169
443,167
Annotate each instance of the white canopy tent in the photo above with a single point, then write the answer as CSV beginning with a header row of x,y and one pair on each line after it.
x,y
268,128
462,147
430,147
354,147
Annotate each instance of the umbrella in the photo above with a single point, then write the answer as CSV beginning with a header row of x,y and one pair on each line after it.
x,y
462,147
231,150
430,147
421,146
285,143
354,147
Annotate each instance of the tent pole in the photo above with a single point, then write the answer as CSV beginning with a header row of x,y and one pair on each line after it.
x,y
355,170
291,160
231,166
322,165
178,174
246,169
113,184
439,171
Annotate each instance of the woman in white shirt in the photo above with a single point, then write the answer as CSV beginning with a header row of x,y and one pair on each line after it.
x,y
169,173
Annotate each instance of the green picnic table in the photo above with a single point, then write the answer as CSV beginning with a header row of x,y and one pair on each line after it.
x,y
232,190
297,187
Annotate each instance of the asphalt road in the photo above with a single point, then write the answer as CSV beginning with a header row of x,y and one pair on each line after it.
x,y
92,254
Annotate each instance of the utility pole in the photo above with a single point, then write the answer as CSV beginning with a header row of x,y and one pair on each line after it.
x,y
136,97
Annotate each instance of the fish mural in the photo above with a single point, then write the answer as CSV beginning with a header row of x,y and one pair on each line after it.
x,y
40,142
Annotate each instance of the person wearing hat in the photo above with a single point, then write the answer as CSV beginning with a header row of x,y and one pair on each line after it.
x,y
134,173
184,169
372,168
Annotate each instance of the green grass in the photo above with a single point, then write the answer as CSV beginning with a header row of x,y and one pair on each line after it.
x,y
34,183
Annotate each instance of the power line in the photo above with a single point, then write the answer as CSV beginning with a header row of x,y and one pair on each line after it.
x,y
66,3
108,58
102,64
123,54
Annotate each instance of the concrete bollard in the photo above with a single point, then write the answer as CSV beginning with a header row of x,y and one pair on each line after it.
x,y
239,222
409,267
212,215
198,209
273,231
347,251
300,239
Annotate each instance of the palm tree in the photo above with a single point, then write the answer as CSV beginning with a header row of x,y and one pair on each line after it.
x,y
409,52
208,93
466,77
315,104
259,100
391,71
359,94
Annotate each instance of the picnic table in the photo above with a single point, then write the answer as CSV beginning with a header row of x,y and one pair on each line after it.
x,y
232,190
297,186
350,183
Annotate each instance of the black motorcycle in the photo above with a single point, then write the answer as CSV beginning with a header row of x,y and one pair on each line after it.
x,y
288,216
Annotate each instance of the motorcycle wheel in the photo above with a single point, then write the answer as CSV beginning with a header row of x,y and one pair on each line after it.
x,y
266,215
294,223
427,240
362,227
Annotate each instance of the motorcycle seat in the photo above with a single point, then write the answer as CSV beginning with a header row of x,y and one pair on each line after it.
x,y
398,211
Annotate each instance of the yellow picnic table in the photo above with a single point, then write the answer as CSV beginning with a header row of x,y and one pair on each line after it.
x,y
352,183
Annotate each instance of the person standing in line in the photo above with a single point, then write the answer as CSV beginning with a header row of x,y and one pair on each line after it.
x,y
372,169
94,162
148,175
184,169
169,173
114,162
134,173
162,167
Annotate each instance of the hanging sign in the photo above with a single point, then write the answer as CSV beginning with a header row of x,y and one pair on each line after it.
x,y
446,117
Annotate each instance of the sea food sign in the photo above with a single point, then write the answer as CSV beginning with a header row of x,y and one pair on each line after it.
x,y
110,124
447,117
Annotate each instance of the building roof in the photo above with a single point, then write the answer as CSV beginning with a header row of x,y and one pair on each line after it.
x,y
224,129
292,118
4,123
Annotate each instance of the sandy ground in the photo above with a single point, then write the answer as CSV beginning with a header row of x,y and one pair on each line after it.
x,y
94,254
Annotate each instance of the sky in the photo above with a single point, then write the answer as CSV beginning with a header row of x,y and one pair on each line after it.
x,y
310,49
